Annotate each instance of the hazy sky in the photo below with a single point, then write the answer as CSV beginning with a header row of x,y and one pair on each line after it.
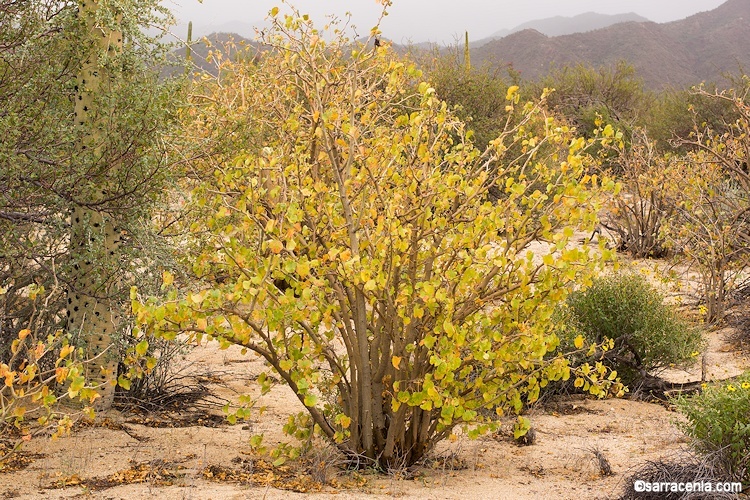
x,y
434,20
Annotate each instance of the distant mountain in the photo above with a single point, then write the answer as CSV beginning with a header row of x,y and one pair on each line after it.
x,y
681,53
559,25
200,49
200,29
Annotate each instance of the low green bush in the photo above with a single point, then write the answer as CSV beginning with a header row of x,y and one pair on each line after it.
x,y
718,421
648,335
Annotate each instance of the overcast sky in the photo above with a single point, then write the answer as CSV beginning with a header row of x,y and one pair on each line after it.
x,y
434,20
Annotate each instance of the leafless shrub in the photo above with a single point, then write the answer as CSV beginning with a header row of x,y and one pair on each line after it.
x,y
711,226
681,469
323,463
639,210
605,469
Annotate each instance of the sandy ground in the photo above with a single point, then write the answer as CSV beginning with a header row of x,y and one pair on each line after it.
x,y
127,456
178,462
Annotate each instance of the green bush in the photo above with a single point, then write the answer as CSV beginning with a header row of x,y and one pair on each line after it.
x,y
648,335
718,420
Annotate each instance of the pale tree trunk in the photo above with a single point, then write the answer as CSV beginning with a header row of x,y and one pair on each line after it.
x,y
94,239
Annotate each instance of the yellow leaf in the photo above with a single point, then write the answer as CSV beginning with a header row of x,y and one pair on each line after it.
x,y
275,246
66,350
449,328
24,333
396,361
197,298
345,421
167,278
303,269
578,342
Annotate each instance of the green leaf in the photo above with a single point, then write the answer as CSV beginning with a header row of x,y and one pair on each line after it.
x,y
521,427
76,385
142,347
123,382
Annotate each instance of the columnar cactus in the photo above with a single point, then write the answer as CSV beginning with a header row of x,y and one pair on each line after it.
x,y
189,50
94,240
467,54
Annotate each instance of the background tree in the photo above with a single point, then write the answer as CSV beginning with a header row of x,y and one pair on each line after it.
x,y
592,98
354,250
33,104
477,93
674,113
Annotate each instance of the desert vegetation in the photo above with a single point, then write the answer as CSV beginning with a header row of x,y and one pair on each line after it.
x,y
399,240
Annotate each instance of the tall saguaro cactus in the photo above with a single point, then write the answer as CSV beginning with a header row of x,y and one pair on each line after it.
x,y
94,239
467,53
189,50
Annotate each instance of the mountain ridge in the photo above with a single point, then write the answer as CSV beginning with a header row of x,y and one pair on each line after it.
x,y
682,53
679,53
564,25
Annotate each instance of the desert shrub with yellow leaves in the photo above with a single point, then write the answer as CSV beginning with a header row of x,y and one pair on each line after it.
x,y
346,237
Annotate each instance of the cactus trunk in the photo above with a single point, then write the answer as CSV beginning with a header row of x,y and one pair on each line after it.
x,y
467,54
189,53
94,240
